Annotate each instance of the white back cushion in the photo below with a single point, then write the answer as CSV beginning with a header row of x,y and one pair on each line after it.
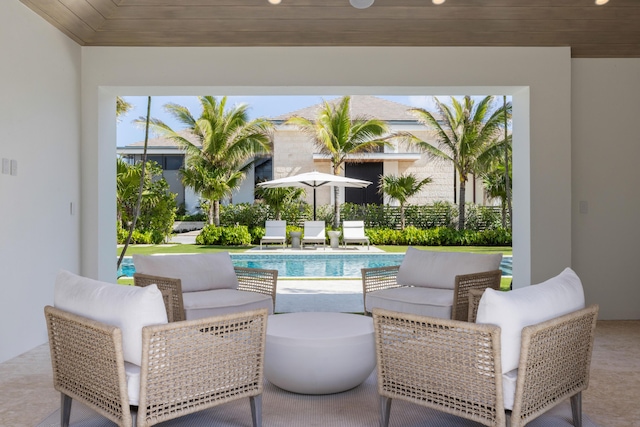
x,y
198,272
130,308
526,306
439,269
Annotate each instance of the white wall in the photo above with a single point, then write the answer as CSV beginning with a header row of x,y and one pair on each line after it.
x,y
605,176
40,129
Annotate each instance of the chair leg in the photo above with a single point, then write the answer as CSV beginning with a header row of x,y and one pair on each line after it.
x,y
576,409
385,411
65,410
256,410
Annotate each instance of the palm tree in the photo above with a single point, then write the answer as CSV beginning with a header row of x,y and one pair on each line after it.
x,y
466,137
278,198
122,107
401,188
227,143
497,180
337,134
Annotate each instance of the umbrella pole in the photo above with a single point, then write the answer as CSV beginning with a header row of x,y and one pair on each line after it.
x,y
314,203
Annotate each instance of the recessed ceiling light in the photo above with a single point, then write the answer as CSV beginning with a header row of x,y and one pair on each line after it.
x,y
361,4
275,1
601,2
438,1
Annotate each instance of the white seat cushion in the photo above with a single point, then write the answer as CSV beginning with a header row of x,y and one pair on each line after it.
x,y
509,388
197,272
439,269
132,374
416,300
514,310
130,308
198,305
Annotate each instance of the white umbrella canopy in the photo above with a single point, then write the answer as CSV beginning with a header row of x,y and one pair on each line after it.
x,y
314,180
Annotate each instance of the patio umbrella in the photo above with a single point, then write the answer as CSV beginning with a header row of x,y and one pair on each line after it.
x,y
314,180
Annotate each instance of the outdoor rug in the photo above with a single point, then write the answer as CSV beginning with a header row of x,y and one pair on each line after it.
x,y
354,408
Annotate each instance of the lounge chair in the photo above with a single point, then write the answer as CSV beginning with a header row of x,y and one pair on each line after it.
x,y
430,283
275,232
314,232
529,350
112,346
353,232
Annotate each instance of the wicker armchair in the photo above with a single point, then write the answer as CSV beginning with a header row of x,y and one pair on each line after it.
x,y
379,283
136,366
256,288
454,366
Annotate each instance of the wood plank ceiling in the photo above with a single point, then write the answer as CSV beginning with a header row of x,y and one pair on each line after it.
x,y
608,31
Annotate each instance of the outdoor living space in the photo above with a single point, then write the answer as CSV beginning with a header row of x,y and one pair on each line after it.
x,y
28,396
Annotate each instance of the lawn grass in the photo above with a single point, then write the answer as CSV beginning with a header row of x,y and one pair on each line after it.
x,y
199,249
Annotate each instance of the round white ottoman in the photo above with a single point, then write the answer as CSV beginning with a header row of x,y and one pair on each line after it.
x,y
319,353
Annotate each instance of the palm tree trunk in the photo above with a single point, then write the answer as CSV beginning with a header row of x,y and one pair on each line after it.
x,y
216,212
402,223
461,213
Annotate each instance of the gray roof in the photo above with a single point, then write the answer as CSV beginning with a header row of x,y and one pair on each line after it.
x,y
162,141
361,106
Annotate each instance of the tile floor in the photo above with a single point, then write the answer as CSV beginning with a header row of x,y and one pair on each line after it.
x,y
27,397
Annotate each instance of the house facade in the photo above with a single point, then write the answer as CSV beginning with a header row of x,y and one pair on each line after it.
x,y
294,153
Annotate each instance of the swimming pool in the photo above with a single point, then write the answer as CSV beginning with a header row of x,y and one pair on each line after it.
x,y
313,265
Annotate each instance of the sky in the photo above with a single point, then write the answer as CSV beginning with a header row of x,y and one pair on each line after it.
x,y
259,106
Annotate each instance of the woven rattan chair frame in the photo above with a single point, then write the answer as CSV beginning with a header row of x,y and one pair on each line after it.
x,y
175,308
379,278
207,362
455,366
262,281
447,365
80,349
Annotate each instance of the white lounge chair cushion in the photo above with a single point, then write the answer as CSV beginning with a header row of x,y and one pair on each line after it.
x,y
130,308
439,269
514,310
198,272
314,230
416,300
275,230
202,304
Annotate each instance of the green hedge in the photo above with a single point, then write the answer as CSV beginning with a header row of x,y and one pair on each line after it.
x,y
440,236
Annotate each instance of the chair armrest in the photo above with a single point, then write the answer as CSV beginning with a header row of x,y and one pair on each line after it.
x,y
258,280
444,364
378,278
87,362
474,302
197,364
465,282
555,358
171,291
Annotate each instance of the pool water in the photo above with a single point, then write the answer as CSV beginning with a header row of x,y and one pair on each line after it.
x,y
314,265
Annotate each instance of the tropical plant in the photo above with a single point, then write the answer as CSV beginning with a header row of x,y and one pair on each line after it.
x,y
226,143
335,133
157,206
466,135
121,108
401,188
278,198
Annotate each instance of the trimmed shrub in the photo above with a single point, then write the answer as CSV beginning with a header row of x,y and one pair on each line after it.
x,y
224,236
